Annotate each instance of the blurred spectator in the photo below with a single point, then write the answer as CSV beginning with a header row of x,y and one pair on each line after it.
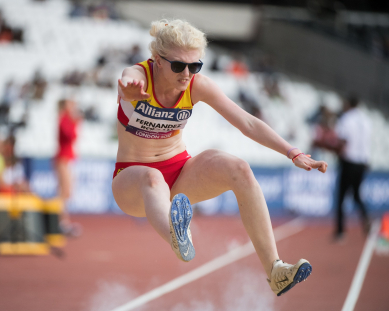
x,y
101,10
25,92
12,178
90,114
135,55
318,115
67,135
353,130
39,85
249,103
102,74
238,67
324,129
8,33
265,64
271,86
5,34
17,35
75,78
10,95
104,77
78,9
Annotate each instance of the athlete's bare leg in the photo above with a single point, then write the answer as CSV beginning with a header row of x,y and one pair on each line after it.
x,y
141,191
213,172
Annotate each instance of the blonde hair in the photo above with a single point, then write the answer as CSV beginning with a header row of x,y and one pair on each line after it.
x,y
175,34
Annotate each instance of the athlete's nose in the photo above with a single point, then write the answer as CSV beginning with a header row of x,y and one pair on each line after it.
x,y
186,72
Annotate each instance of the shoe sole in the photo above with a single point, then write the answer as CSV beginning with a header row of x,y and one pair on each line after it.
x,y
180,218
302,273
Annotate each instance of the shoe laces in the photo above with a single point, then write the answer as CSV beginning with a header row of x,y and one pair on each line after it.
x,y
283,274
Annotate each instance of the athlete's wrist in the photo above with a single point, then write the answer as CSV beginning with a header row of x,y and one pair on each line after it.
x,y
293,153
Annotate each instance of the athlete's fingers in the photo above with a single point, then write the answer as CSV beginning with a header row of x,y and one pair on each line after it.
x,y
320,165
302,164
145,95
135,82
307,167
120,88
142,91
121,83
323,167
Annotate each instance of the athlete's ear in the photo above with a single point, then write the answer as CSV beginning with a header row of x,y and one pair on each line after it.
x,y
158,60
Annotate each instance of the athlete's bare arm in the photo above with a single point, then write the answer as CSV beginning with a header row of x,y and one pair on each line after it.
x,y
133,84
206,90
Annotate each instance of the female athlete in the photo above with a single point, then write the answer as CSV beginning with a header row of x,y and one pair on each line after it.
x,y
154,175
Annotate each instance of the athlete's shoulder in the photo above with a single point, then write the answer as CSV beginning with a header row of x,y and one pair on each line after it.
x,y
138,68
203,87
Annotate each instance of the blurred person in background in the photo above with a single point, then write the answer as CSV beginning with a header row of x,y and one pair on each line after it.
x,y
13,179
154,170
9,34
10,95
69,119
135,55
271,86
74,77
78,9
354,133
238,67
5,33
324,136
39,85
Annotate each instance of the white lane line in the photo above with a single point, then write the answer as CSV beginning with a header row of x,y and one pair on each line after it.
x,y
292,227
363,265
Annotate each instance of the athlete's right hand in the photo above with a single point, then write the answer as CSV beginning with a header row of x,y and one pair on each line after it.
x,y
132,90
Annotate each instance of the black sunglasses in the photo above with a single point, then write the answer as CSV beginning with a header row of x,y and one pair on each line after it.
x,y
178,67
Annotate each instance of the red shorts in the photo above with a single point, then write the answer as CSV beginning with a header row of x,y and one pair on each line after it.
x,y
170,168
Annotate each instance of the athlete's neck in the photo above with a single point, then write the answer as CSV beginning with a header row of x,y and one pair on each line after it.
x,y
166,93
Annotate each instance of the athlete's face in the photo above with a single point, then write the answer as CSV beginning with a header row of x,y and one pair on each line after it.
x,y
179,80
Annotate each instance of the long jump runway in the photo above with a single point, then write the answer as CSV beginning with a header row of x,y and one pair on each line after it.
x,y
121,264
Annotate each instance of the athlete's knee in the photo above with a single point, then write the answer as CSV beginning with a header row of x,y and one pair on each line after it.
x,y
241,172
153,178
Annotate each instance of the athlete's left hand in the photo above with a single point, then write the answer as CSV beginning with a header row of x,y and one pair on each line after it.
x,y
306,162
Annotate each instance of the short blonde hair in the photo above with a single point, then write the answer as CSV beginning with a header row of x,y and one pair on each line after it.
x,y
175,34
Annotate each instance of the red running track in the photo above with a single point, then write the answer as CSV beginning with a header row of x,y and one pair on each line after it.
x,y
119,258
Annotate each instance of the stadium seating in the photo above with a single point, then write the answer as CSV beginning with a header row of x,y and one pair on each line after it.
x,y
56,44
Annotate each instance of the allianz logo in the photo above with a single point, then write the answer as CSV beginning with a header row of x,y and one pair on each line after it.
x,y
183,115
160,113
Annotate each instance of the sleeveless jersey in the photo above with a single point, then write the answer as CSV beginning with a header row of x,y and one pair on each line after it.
x,y
149,118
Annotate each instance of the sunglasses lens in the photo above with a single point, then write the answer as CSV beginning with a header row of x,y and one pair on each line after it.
x,y
195,67
178,66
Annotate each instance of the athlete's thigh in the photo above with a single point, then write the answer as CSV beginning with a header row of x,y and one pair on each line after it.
x,y
127,189
207,175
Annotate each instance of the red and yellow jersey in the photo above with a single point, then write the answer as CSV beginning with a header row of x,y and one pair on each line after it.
x,y
149,118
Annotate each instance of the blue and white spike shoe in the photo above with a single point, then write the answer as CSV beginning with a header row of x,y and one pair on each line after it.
x,y
180,216
284,276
